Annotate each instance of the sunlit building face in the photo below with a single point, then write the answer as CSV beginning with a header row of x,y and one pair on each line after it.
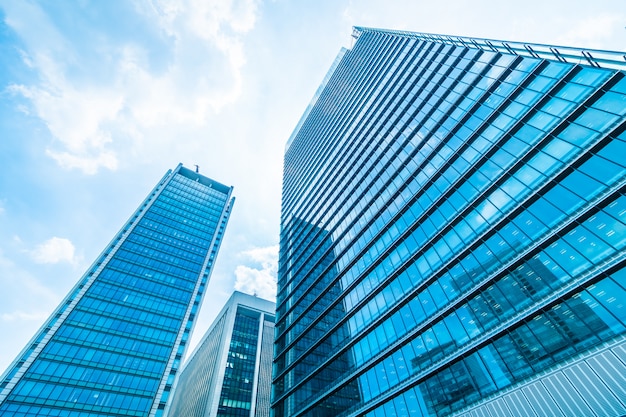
x,y
114,345
453,233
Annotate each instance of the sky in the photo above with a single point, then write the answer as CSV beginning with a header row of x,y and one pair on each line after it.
x,y
98,99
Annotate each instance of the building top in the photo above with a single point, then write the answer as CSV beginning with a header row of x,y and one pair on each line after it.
x,y
236,299
319,90
186,172
592,57
252,301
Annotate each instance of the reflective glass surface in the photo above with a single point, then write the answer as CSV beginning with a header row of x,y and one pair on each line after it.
x,y
236,397
114,345
448,212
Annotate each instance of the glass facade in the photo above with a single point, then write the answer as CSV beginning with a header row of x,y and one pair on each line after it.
x,y
453,233
228,375
114,345
236,396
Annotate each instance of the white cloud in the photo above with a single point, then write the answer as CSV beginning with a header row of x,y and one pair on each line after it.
x,y
54,250
88,164
593,31
77,118
95,107
19,315
260,277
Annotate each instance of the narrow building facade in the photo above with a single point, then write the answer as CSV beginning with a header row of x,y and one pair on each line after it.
x,y
229,373
114,345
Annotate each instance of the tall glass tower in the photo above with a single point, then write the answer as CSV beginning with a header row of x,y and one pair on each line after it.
x,y
453,233
114,345
230,372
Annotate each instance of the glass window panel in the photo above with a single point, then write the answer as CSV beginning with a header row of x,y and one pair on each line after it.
x,y
560,149
438,295
529,345
591,76
549,270
414,402
617,209
588,244
573,92
495,366
558,107
541,84
568,258
529,176
441,344
601,321
546,212
421,358
615,152
563,199
529,134
543,121
498,302
620,87
512,356
482,312
427,303
612,102
602,170
582,184
608,229
556,69
578,135
544,163
515,146
611,296
515,293
620,277
596,119
456,329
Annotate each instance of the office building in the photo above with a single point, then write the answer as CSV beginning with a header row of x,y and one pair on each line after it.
x,y
453,233
230,372
115,343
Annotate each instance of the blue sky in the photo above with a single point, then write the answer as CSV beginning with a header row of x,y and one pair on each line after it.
x,y
99,98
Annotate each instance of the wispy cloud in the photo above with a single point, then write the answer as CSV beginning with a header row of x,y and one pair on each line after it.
x,y
54,250
95,106
593,31
258,276
19,315
77,118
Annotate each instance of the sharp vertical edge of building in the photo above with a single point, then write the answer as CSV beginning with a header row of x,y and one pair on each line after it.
x,y
114,345
453,233
230,372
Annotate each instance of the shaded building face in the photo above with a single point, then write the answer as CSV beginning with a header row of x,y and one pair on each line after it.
x,y
114,345
453,233
316,344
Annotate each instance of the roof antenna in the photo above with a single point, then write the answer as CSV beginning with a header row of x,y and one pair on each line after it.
x,y
197,168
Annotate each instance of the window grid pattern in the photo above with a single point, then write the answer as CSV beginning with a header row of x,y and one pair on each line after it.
x,y
200,371
120,344
237,387
480,193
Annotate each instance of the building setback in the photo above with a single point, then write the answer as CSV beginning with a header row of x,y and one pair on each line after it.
x,y
453,233
114,344
230,372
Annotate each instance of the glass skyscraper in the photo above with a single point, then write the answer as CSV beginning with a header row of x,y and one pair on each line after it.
x,y
114,344
229,374
453,233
